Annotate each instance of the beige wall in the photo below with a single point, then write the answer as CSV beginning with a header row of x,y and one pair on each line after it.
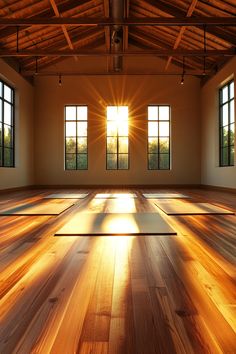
x,y
136,92
23,173
212,174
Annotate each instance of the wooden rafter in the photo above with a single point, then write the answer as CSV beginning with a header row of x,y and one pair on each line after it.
x,y
174,11
64,29
48,13
182,30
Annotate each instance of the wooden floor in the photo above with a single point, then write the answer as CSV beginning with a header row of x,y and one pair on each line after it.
x,y
118,295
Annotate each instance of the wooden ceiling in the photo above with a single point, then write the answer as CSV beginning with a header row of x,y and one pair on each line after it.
x,y
194,40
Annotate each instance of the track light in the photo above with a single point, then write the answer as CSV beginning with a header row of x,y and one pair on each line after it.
x,y
59,80
36,66
183,72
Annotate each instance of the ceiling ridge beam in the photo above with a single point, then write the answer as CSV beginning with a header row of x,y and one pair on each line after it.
x,y
140,21
157,52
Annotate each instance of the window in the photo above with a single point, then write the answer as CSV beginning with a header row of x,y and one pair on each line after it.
x,y
6,125
158,137
227,124
76,144
117,138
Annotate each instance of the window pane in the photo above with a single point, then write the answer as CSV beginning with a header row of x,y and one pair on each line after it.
x,y
232,117
70,113
112,113
8,157
164,162
82,145
123,128
1,89
111,161
112,145
164,145
82,112
7,113
82,162
70,161
163,129
123,161
123,145
7,136
152,113
111,129
70,129
82,128
7,93
232,155
224,137
164,113
123,113
1,117
1,135
231,90
224,156
225,94
231,134
153,161
0,156
153,145
152,129
71,145
225,114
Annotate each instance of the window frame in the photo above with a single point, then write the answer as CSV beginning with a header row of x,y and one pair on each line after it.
x,y
158,137
12,104
76,137
117,143
221,126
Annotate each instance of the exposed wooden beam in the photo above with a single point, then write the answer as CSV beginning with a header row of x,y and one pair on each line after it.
x,y
67,37
176,12
182,30
48,13
157,52
152,21
74,73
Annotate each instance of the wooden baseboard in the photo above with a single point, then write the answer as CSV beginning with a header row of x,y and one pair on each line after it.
x,y
218,188
127,186
16,189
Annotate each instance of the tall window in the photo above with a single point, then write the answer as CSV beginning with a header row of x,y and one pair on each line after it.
x,y
227,125
117,138
6,125
158,137
76,144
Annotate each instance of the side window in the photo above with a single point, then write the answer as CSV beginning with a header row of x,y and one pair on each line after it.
x,y
76,138
7,125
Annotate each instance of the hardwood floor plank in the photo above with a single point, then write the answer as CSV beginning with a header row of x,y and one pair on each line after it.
x,y
118,294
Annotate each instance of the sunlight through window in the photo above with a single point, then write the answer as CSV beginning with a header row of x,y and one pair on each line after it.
x,y
117,138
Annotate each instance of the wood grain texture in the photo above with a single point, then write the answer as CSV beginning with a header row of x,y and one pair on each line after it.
x,y
118,295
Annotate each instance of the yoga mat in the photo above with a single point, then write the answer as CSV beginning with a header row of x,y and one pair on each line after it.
x,y
178,207
116,224
39,208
